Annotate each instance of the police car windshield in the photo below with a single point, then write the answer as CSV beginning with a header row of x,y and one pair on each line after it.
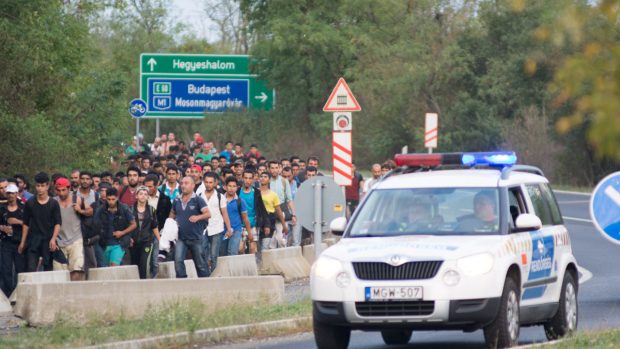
x,y
428,211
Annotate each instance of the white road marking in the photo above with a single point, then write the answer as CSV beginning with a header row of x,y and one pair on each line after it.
x,y
577,219
574,202
571,192
586,275
613,194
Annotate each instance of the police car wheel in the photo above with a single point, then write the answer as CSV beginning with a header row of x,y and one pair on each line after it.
x,y
331,337
503,332
396,337
565,320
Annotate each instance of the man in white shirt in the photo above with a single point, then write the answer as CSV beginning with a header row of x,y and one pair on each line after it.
x,y
218,223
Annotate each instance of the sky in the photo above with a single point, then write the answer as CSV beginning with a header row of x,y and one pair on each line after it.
x,y
192,14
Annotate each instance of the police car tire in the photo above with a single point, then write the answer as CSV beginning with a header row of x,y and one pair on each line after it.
x,y
331,337
558,325
396,337
497,334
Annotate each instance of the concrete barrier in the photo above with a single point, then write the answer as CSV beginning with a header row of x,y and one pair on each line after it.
x,y
287,261
95,301
38,277
308,252
241,265
5,304
167,271
122,272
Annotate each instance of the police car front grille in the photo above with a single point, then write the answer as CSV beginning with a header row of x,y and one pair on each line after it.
x,y
408,308
407,271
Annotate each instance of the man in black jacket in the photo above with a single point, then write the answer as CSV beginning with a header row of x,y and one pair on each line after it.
x,y
116,222
162,205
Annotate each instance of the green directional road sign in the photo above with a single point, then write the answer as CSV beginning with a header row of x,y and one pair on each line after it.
x,y
188,85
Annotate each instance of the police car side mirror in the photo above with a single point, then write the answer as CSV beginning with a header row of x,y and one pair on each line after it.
x,y
527,222
338,225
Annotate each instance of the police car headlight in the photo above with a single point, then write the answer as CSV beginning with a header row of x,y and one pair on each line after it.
x,y
478,264
326,267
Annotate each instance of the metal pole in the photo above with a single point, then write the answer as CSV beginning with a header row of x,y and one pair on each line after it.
x,y
138,132
157,127
318,217
430,150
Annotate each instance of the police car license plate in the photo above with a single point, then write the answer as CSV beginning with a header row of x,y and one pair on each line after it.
x,y
393,293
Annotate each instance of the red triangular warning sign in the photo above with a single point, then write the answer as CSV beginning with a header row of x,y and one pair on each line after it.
x,y
341,99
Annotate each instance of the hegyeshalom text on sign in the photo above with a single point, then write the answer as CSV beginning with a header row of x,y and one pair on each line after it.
x,y
188,85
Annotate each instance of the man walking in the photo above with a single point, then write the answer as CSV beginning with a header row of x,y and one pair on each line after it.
x,y
190,211
11,216
69,237
282,188
219,223
238,215
257,215
42,220
162,205
116,222
274,211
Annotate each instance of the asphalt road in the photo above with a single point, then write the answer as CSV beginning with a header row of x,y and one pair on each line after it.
x,y
599,296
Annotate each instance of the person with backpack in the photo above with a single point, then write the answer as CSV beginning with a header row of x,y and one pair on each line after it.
x,y
190,212
282,188
89,234
69,237
238,215
219,222
141,246
257,214
11,219
162,205
115,221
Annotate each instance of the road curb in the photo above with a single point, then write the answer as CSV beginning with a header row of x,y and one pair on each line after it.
x,y
213,335
538,345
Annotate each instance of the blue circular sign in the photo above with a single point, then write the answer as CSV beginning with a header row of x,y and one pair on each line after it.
x,y
137,108
605,207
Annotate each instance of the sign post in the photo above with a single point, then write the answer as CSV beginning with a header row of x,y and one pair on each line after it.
x,y
605,207
430,131
186,86
342,102
137,109
318,201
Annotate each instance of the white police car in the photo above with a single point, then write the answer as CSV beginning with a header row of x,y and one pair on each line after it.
x,y
478,246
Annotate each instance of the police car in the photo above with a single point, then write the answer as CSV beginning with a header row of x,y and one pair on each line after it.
x,y
449,242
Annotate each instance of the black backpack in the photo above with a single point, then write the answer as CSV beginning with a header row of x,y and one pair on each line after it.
x,y
87,224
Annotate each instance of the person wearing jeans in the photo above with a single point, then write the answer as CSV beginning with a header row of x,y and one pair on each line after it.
x,y
190,212
218,223
238,215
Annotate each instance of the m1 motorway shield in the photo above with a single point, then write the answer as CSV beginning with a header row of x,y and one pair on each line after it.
x,y
605,207
333,203
189,85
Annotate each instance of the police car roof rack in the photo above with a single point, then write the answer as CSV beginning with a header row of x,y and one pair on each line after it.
x,y
506,171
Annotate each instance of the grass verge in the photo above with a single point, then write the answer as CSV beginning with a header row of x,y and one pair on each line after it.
x,y
588,340
171,319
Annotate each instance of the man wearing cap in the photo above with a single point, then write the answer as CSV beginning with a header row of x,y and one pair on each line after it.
x,y
42,221
69,237
11,216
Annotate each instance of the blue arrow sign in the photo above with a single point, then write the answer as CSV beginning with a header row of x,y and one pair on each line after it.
x,y
196,95
137,108
605,207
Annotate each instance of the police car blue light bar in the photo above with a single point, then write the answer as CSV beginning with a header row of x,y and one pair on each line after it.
x,y
489,158
494,159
